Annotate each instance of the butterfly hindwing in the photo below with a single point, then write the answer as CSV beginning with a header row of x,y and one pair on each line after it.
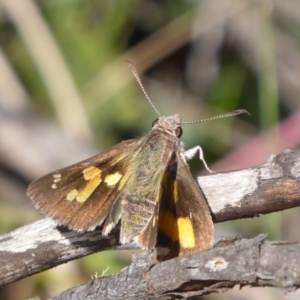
x,y
184,224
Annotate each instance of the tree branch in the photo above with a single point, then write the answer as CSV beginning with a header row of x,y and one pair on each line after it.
x,y
231,195
251,262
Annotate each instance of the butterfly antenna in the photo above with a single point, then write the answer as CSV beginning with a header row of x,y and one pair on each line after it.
x,y
229,114
135,74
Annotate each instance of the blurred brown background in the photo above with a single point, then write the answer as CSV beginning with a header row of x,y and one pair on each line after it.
x,y
66,93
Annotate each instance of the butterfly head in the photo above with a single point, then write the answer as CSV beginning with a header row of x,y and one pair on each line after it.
x,y
170,124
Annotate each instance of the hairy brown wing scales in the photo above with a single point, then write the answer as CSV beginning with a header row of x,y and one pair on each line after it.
x,y
79,196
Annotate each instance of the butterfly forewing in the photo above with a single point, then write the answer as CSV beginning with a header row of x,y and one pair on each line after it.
x,y
81,196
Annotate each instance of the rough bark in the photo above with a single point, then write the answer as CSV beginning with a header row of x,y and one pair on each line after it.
x,y
252,262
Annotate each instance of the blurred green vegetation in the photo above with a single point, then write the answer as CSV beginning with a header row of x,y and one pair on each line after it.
x,y
198,58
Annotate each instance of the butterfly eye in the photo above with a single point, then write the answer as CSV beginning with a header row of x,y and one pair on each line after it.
x,y
154,122
178,132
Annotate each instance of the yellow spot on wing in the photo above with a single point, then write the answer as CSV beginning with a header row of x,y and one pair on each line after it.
x,y
72,195
88,189
91,172
186,233
113,179
93,177
178,229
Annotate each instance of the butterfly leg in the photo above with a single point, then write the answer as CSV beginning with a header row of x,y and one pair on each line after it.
x,y
189,154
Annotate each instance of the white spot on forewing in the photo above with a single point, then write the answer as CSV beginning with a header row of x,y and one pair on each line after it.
x,y
236,184
217,264
56,177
